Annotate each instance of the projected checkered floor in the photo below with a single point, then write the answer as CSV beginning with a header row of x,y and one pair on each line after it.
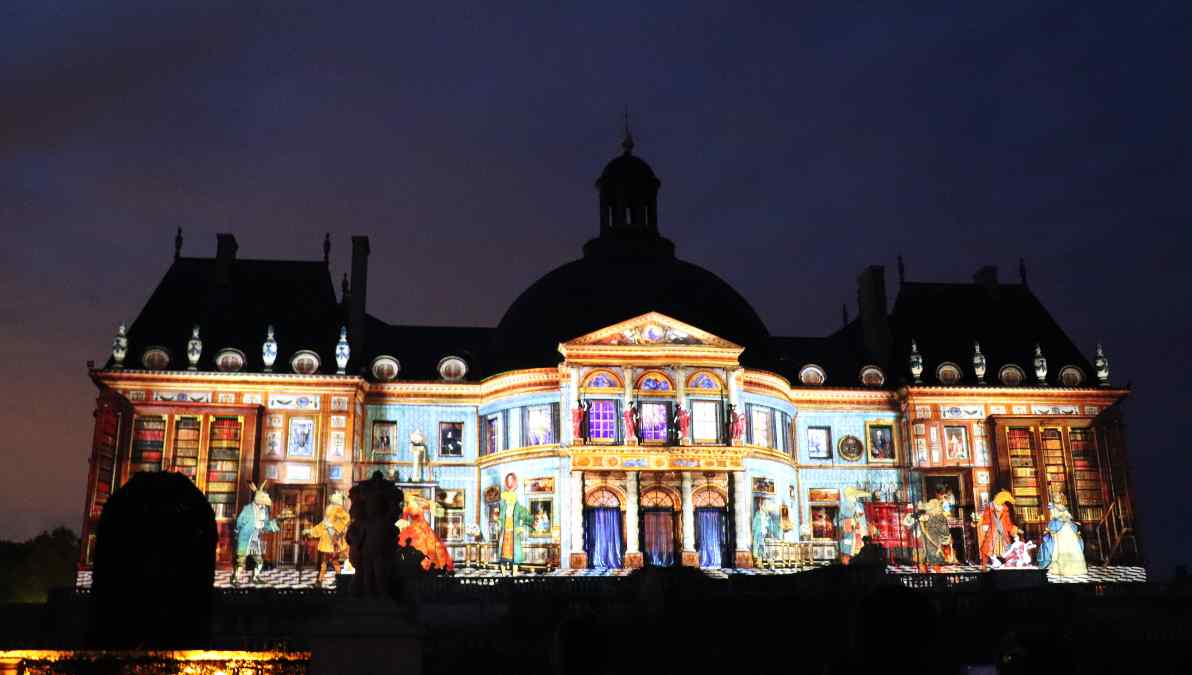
x,y
290,578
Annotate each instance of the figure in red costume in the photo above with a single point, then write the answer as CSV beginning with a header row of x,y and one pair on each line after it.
x,y
995,530
630,417
578,413
738,426
684,418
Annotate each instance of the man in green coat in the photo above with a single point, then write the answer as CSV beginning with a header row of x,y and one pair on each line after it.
x,y
512,520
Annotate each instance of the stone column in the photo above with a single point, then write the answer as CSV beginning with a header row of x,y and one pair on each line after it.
x,y
566,403
633,554
579,557
742,506
690,557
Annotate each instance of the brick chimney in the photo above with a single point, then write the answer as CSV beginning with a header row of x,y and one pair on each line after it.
x,y
875,322
986,277
358,295
225,255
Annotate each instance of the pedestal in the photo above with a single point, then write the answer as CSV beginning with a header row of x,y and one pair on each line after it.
x,y
634,560
578,560
361,636
743,559
690,559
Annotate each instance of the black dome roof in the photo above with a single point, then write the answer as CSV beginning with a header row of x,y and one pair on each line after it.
x,y
598,290
628,168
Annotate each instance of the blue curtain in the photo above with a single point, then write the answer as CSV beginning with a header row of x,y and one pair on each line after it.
x,y
709,525
602,537
659,531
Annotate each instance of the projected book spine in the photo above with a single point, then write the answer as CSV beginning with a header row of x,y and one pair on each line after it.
x,y
223,465
1024,477
186,446
148,441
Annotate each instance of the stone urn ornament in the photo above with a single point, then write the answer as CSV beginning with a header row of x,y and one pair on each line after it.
x,y
269,350
916,363
1040,365
120,347
194,349
342,351
1101,363
978,363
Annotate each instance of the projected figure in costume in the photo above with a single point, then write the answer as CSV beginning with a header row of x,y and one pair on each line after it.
x,y
416,532
630,415
513,523
1019,553
995,529
765,526
1062,552
579,415
330,534
854,526
252,522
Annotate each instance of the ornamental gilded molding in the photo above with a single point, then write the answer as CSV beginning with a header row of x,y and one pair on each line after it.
x,y
669,458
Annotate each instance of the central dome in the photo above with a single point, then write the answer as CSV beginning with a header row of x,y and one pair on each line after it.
x,y
627,271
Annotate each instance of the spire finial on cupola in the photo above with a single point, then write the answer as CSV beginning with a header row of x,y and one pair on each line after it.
x,y
627,141
327,249
178,244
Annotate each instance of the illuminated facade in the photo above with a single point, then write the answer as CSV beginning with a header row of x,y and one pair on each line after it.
x,y
643,422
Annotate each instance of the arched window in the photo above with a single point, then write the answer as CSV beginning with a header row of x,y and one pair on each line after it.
x,y
655,498
654,382
602,380
703,381
603,497
709,497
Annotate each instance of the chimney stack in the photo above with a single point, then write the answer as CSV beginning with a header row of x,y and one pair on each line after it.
x,y
225,254
358,294
875,323
986,277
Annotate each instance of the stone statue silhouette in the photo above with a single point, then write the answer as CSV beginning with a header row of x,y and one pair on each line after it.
x,y
372,535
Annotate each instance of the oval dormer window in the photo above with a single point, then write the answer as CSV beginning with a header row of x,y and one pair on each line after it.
x,y
385,368
1071,376
156,358
872,376
229,360
948,374
305,362
812,375
453,368
1011,375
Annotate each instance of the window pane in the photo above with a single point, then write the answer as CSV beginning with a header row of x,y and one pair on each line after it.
x,y
703,421
494,433
539,430
653,421
761,427
602,420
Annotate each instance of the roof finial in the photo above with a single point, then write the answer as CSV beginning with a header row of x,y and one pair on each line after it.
x,y
627,142
901,272
1022,270
327,248
178,244
345,288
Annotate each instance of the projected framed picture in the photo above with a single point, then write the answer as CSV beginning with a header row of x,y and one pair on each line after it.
x,y
301,438
880,437
542,513
819,442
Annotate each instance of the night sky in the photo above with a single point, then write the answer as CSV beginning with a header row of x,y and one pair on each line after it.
x,y
795,146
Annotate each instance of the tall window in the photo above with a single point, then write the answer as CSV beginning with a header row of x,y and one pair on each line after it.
x,y
705,421
761,427
654,422
494,433
602,420
540,428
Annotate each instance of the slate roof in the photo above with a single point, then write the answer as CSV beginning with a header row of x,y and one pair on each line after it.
x,y
299,300
296,297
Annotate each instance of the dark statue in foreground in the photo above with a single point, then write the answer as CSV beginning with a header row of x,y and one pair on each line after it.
x,y
154,565
372,535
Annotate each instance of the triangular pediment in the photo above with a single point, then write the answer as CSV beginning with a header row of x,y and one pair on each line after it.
x,y
649,330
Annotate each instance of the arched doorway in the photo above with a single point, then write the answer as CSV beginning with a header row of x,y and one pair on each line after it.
x,y
604,538
659,527
711,526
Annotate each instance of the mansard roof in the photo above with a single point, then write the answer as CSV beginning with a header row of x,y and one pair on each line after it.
x,y
1008,320
295,297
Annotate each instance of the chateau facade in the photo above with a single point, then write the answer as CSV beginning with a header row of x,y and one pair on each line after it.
x,y
635,405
